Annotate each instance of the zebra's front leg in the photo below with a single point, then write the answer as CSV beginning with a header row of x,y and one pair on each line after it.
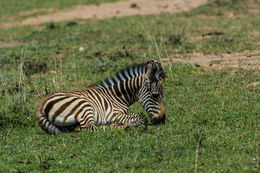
x,y
123,122
87,122
134,120
127,121
84,125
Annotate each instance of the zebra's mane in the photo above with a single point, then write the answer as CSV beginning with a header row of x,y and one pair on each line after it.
x,y
125,74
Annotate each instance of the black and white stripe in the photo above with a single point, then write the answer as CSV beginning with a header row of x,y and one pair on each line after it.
x,y
106,102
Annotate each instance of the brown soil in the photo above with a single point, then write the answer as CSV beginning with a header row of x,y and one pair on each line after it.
x,y
106,10
38,10
254,83
10,44
194,38
255,33
246,60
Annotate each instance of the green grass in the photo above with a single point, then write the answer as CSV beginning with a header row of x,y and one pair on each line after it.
x,y
213,116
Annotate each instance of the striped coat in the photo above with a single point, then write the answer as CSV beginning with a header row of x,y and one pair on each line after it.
x,y
105,104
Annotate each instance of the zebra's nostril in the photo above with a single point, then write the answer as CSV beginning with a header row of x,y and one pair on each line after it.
x,y
163,119
159,120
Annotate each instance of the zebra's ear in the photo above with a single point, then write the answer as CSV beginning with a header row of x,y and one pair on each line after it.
x,y
155,71
150,67
159,76
153,67
160,80
150,62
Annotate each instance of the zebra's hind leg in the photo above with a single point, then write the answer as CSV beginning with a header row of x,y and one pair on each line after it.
x,y
86,122
92,127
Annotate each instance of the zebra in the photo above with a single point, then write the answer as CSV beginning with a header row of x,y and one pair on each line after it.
x,y
105,104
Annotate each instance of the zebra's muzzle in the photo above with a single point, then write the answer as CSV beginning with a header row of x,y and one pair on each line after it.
x,y
158,120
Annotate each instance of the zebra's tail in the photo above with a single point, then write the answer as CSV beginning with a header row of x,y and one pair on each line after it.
x,y
44,123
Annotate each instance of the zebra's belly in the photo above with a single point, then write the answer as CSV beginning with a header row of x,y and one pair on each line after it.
x,y
68,111
62,121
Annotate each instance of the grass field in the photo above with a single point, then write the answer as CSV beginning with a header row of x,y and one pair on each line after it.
x,y
213,116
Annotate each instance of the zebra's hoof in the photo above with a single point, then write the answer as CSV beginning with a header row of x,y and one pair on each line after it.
x,y
77,129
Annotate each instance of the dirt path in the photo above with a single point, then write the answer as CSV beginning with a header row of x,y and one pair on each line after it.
x,y
9,44
106,10
246,60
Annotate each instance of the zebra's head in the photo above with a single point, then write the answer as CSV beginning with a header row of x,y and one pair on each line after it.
x,y
152,95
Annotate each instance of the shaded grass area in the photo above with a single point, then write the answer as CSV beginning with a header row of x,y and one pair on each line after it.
x,y
212,116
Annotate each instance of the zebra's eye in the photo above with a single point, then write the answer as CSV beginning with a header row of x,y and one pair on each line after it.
x,y
155,95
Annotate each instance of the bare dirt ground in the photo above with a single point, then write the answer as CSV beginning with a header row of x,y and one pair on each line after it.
x,y
247,60
10,44
106,10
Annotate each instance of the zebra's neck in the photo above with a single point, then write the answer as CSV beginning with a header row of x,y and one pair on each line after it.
x,y
127,83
